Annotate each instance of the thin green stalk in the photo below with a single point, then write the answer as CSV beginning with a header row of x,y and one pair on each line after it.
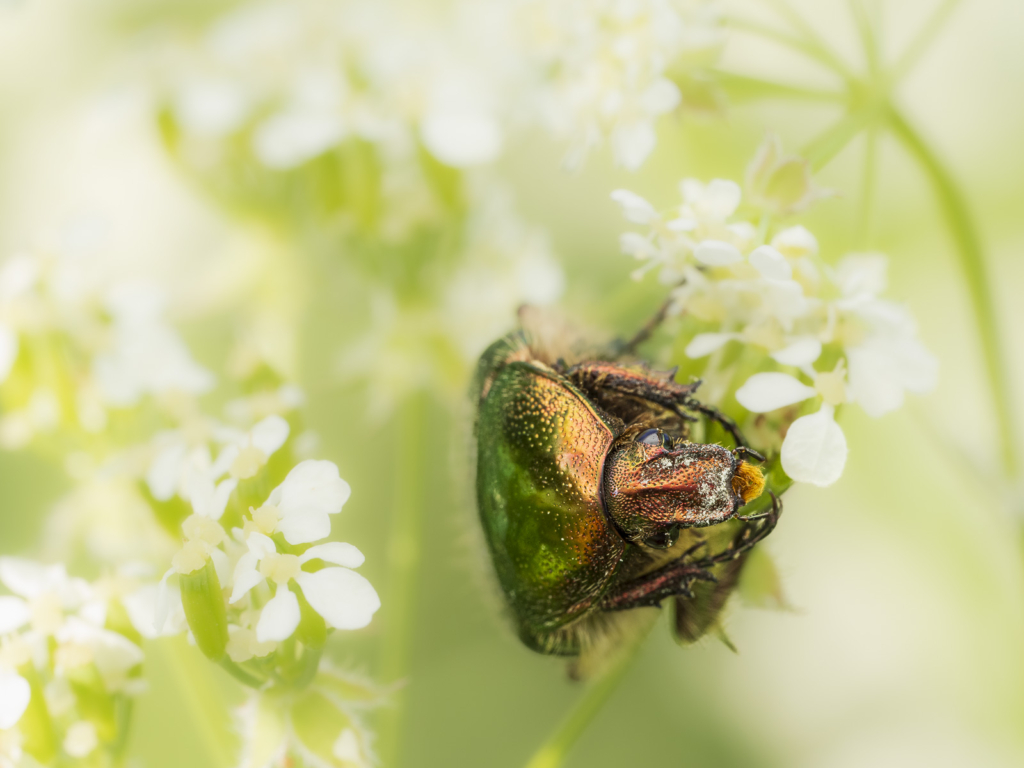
x,y
812,39
868,37
403,565
865,220
821,150
193,675
745,88
923,40
553,752
801,45
972,262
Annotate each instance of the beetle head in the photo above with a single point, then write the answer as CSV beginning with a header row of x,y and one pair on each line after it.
x,y
654,485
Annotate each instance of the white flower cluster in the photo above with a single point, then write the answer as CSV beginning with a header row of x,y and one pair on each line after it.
x,y
280,731
59,654
249,560
75,343
302,77
609,63
825,331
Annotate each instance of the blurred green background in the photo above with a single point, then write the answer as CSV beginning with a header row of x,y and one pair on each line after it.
x,y
905,579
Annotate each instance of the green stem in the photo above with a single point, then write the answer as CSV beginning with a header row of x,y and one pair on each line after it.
x,y
552,752
812,39
920,44
403,564
864,235
821,150
808,48
747,88
972,262
191,673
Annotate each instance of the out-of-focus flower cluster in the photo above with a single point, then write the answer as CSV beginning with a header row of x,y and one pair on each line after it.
x,y
778,325
287,82
76,343
70,660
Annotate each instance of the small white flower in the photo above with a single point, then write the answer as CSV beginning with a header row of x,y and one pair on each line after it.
x,y
634,207
303,503
15,694
765,392
246,454
81,739
814,450
716,253
341,596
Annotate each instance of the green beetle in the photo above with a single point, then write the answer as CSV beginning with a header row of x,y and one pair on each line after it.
x,y
585,479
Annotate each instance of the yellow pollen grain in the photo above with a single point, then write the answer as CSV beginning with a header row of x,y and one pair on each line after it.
x,y
279,568
748,482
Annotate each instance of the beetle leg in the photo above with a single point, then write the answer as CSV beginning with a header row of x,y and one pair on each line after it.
x,y
728,424
755,529
676,577
651,588
629,347
663,391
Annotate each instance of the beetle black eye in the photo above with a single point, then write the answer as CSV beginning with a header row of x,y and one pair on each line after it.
x,y
649,437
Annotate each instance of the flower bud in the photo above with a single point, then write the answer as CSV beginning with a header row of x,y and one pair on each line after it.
x,y
203,601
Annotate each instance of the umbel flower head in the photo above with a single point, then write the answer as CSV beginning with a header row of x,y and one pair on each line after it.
x,y
63,670
815,334
276,583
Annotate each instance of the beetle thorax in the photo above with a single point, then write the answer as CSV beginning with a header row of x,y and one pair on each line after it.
x,y
650,489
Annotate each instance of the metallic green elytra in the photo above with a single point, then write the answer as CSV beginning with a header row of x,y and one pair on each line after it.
x,y
586,480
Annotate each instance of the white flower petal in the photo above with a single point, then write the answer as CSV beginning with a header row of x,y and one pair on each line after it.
x,y
636,245
220,497
796,241
681,224
14,613
163,603
800,352
260,545
704,344
337,552
881,369
310,492
269,434
8,351
304,527
345,599
245,576
765,392
15,693
634,207
721,198
462,138
717,253
142,605
222,566
164,472
814,450
632,142
770,263
279,618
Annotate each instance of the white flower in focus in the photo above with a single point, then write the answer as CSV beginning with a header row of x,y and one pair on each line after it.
x,y
300,507
814,449
341,596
